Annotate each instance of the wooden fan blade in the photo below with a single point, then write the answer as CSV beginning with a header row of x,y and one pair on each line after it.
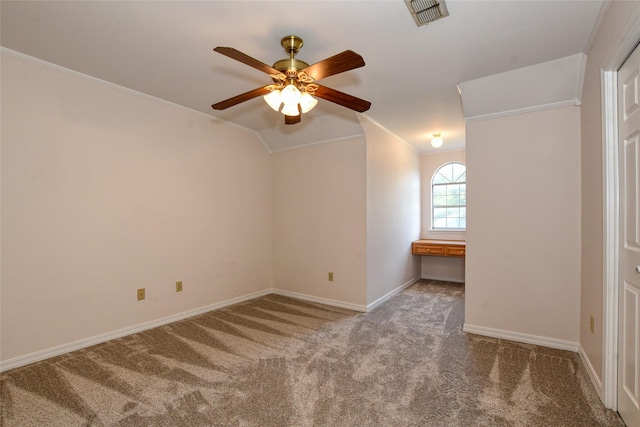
x,y
240,98
345,61
292,120
341,98
246,59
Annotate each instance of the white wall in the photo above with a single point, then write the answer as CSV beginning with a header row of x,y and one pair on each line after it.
x,y
393,211
105,191
523,226
438,268
319,221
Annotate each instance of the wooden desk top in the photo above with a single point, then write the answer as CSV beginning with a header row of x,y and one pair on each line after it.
x,y
441,242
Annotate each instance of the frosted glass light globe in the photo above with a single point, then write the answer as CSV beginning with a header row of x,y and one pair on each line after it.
x,y
274,99
307,102
290,110
290,94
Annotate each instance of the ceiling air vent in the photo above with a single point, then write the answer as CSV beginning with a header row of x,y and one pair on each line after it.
x,y
427,11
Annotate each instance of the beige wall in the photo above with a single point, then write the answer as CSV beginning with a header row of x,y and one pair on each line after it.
x,y
393,211
319,220
105,191
439,268
523,228
612,30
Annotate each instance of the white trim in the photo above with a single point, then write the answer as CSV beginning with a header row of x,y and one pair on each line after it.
x,y
326,141
414,149
580,78
320,300
592,372
264,143
126,90
610,239
88,342
397,290
560,104
596,25
520,337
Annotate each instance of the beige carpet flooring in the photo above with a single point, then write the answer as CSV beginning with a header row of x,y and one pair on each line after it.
x,y
276,361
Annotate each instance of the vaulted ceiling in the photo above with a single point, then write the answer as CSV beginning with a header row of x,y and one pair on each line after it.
x,y
165,49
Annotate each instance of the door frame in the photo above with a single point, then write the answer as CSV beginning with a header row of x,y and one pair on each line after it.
x,y
611,195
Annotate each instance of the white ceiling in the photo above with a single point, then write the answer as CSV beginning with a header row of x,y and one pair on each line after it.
x,y
165,49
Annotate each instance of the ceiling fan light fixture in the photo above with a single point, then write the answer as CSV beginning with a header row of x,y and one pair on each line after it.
x,y
291,110
274,99
436,141
307,102
290,95
294,90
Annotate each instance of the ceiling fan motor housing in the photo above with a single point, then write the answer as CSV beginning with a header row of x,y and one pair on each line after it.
x,y
290,66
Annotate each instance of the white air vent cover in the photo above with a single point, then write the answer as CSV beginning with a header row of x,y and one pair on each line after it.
x,y
426,11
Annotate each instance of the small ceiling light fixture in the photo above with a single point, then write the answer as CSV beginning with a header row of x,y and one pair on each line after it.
x,y
436,141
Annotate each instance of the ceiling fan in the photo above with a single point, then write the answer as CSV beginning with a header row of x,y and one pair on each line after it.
x,y
294,81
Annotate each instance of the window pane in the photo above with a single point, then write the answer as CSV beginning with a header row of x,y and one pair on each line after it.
x,y
439,190
463,188
453,222
440,223
463,212
440,201
453,189
453,212
458,172
439,213
453,200
447,171
463,199
463,223
440,178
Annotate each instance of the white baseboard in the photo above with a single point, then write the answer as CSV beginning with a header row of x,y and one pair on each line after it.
x,y
88,342
597,384
520,337
325,301
392,293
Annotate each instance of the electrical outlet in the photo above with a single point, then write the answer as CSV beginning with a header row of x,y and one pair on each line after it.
x,y
140,294
331,276
179,286
591,324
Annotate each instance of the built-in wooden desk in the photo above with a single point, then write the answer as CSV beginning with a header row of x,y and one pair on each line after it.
x,y
455,248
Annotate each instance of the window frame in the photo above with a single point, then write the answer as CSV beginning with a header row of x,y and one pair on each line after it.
x,y
445,185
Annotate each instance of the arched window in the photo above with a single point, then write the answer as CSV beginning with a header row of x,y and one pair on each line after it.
x,y
449,197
